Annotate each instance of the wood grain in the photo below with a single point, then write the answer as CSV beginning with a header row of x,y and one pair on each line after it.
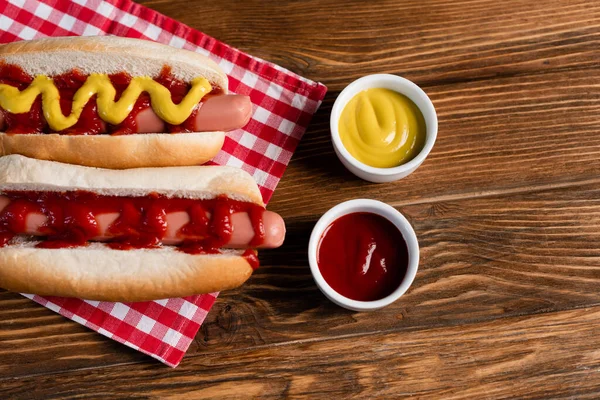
x,y
551,355
511,82
426,41
497,136
506,208
481,259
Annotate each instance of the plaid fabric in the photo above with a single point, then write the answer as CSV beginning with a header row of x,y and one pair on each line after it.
x,y
283,106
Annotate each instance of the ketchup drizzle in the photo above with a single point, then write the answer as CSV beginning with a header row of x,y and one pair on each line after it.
x,y
71,220
89,122
256,217
252,257
129,125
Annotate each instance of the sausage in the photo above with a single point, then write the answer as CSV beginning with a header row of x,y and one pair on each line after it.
x,y
4,201
215,113
223,113
242,229
241,225
2,120
147,121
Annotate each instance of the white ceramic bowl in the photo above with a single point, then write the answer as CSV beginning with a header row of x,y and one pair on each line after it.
x,y
375,207
400,85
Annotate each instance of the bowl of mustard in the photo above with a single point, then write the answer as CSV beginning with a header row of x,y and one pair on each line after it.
x,y
383,127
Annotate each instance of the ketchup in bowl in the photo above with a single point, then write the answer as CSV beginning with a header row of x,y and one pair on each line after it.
x,y
362,256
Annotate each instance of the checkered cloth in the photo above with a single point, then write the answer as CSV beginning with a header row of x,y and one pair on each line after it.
x,y
283,106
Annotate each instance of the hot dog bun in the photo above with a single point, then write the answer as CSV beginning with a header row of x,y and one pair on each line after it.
x,y
97,272
117,152
110,55
18,172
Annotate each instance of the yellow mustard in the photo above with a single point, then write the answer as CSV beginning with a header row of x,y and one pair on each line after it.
x,y
382,128
114,112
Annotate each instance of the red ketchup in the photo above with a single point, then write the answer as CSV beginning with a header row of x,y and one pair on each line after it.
x,y
71,220
362,256
89,122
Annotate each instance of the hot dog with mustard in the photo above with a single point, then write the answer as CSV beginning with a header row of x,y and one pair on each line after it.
x,y
114,102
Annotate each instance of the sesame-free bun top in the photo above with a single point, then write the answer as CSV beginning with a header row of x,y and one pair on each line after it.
x,y
194,182
109,55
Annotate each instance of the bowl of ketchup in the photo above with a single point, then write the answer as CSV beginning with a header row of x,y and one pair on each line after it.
x,y
363,254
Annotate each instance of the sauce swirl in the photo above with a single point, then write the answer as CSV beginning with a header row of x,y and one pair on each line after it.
x,y
382,128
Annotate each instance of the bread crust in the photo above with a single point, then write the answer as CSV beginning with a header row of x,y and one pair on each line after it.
x,y
117,152
109,54
97,272
200,182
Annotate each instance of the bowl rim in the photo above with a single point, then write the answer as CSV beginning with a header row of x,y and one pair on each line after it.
x,y
410,90
376,207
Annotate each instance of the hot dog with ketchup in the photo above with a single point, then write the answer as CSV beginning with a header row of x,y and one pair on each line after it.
x,y
114,102
129,235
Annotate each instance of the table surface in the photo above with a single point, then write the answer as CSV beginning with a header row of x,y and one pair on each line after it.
x,y
506,302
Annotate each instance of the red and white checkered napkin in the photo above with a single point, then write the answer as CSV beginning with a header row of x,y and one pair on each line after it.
x,y
283,106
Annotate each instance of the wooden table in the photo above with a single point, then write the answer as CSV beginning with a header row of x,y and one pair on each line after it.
x,y
506,302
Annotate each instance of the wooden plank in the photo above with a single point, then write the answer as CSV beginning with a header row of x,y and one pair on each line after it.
x,y
495,136
553,355
432,41
516,87
481,259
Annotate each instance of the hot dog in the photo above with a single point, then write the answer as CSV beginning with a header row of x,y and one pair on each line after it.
x,y
129,235
114,102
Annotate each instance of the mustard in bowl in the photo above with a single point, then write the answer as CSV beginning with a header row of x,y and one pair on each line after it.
x,y
383,127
